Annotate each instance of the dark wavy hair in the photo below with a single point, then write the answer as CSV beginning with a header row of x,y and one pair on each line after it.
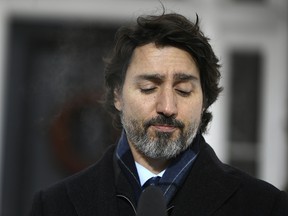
x,y
164,30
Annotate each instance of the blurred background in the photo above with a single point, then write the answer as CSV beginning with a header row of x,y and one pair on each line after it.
x,y
52,123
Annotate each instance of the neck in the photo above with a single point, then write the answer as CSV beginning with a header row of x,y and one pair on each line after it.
x,y
153,165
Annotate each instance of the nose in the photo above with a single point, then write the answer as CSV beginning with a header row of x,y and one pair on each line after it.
x,y
167,103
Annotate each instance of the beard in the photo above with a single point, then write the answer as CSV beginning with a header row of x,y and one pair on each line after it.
x,y
162,145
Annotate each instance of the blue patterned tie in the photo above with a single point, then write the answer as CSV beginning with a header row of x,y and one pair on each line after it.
x,y
152,181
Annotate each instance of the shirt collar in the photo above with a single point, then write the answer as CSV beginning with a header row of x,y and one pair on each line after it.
x,y
145,174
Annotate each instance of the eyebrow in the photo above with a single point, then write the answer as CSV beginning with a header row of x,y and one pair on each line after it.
x,y
158,78
184,77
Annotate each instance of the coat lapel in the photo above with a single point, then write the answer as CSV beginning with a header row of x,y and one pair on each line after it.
x,y
92,192
206,188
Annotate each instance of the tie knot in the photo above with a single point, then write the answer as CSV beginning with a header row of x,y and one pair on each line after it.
x,y
152,181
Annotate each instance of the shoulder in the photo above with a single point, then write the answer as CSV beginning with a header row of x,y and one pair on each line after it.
x,y
251,184
85,182
255,193
250,190
224,169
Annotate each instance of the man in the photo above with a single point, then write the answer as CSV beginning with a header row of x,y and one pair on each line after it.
x,y
161,79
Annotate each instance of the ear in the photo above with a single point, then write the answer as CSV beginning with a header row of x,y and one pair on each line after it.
x,y
117,100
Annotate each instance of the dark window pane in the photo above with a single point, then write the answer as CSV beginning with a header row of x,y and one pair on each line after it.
x,y
245,96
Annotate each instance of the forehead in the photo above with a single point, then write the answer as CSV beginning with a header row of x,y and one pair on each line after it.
x,y
165,61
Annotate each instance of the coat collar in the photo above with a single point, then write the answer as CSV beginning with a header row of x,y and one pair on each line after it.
x,y
207,187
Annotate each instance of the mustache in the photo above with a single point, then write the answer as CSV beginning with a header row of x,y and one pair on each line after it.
x,y
170,121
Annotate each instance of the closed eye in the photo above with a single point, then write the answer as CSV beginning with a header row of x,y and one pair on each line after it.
x,y
183,92
148,90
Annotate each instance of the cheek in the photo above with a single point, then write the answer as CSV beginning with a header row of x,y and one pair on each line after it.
x,y
137,107
192,111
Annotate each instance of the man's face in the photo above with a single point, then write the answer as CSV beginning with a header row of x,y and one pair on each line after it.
x,y
161,101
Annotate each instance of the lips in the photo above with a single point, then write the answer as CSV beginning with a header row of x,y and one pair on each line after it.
x,y
164,124
165,128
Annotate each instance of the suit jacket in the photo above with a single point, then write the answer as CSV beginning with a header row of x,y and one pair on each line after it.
x,y
211,188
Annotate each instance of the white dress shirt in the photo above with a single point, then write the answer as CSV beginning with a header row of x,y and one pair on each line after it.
x,y
144,174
